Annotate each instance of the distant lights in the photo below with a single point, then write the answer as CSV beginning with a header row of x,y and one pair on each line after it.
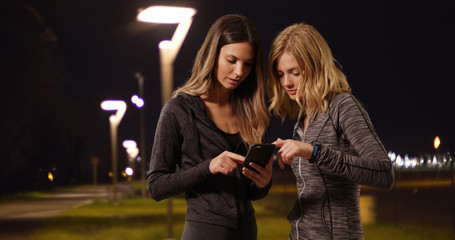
x,y
428,161
139,102
50,176
114,105
129,171
131,149
437,142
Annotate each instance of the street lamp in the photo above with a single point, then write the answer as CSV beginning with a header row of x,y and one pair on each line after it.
x,y
131,148
132,152
139,102
182,16
437,142
120,107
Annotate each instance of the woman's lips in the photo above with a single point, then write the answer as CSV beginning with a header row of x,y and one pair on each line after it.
x,y
233,81
291,92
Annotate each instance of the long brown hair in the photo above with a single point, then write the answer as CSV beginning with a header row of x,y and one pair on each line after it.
x,y
248,98
322,77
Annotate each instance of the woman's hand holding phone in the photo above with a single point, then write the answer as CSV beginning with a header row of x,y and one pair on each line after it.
x,y
254,167
258,164
261,177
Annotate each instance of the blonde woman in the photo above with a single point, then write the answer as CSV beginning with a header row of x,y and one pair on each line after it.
x,y
334,148
205,130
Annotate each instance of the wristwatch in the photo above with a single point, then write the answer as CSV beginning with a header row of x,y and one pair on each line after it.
x,y
316,148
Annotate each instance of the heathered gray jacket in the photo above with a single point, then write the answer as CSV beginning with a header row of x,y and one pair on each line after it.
x,y
187,138
328,190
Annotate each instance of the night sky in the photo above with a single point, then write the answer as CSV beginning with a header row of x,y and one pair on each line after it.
x,y
396,54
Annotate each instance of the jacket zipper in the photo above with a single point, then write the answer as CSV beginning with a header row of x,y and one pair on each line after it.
x,y
303,181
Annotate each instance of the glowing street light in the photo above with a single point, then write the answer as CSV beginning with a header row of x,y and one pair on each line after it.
x,y
138,101
114,105
132,152
129,171
131,148
120,107
182,16
437,142
165,14
50,176
129,144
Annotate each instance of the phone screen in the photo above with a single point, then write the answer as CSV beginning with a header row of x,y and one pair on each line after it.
x,y
259,153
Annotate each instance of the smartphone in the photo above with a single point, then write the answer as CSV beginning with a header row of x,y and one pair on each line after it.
x,y
259,153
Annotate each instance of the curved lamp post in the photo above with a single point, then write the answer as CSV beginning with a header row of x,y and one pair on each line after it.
x,y
169,49
120,107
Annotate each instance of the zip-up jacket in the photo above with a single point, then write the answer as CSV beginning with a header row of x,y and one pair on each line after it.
x,y
328,190
186,137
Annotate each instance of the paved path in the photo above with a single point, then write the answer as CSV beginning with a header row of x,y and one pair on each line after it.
x,y
19,218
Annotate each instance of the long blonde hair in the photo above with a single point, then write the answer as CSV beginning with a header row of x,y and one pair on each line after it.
x,y
248,98
322,77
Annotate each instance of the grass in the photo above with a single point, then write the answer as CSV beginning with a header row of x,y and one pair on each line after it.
x,y
408,231
132,219
144,218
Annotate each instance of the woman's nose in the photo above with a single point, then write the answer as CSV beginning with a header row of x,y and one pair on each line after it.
x,y
285,81
238,70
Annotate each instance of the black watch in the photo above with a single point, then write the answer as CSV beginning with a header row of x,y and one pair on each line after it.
x,y
316,148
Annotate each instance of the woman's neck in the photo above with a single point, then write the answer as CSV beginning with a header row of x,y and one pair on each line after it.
x,y
218,95
219,110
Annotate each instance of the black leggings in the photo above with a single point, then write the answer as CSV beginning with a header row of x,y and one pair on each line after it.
x,y
205,231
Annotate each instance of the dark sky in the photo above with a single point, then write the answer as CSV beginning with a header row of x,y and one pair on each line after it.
x,y
396,55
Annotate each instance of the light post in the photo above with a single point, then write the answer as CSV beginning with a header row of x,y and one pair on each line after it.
x,y
436,144
132,152
95,161
168,51
120,107
139,102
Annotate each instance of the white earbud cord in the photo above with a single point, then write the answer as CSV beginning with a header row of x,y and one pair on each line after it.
x,y
300,197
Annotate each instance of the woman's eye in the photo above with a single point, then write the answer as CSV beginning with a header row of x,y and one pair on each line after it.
x,y
296,73
231,60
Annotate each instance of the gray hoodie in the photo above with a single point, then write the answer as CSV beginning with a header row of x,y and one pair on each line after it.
x,y
187,138
328,190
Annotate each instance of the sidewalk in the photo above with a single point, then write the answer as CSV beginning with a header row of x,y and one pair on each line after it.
x,y
53,204
19,218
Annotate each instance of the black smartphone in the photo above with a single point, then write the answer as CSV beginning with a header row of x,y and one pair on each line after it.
x,y
259,153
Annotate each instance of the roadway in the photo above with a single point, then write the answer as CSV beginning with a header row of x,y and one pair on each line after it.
x,y
19,218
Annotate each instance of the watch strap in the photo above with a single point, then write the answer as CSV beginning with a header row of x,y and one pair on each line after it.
x,y
316,148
